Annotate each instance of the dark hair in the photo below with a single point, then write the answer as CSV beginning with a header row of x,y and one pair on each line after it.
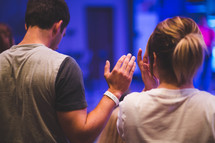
x,y
44,13
6,37
179,47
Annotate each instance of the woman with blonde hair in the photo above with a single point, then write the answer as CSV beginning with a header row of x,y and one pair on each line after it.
x,y
169,109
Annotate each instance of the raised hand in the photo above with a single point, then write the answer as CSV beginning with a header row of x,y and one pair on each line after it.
x,y
119,79
150,81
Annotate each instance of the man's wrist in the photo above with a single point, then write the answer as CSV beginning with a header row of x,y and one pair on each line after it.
x,y
112,97
117,93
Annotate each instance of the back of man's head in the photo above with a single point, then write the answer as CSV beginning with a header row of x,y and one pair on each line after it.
x,y
44,13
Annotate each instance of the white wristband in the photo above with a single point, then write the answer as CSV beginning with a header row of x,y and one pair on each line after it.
x,y
112,96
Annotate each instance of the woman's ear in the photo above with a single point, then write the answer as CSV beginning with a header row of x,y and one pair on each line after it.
x,y
155,60
155,66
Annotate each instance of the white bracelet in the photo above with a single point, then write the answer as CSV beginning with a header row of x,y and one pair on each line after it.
x,y
112,96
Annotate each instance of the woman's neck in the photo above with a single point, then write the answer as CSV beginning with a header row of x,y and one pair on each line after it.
x,y
174,86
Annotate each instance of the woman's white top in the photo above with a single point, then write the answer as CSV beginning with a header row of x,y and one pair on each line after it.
x,y
167,116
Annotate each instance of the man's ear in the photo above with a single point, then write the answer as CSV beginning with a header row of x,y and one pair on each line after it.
x,y
57,27
26,26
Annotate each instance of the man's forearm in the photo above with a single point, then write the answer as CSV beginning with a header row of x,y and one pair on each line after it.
x,y
97,119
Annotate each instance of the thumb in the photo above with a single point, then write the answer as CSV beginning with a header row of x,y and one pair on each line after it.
x,y
107,69
139,55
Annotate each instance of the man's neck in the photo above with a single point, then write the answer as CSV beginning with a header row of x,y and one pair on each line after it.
x,y
35,35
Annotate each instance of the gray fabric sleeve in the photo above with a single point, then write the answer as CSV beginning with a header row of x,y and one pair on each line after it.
x,y
69,87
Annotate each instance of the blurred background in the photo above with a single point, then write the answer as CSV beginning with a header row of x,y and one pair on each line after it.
x,y
107,29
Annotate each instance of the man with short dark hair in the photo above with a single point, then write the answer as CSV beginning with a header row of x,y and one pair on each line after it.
x,y
42,96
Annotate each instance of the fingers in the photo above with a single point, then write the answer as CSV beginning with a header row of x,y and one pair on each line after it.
x,y
132,70
126,61
130,65
139,56
119,62
107,69
139,59
145,56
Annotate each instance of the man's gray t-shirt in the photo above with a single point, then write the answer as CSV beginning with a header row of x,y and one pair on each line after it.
x,y
35,82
